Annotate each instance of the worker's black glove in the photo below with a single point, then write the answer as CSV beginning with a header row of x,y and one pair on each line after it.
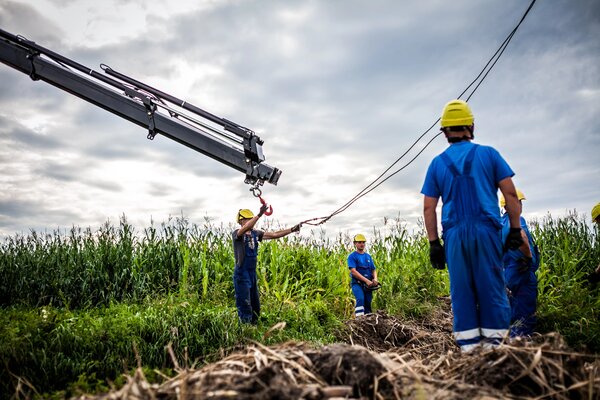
x,y
436,254
523,264
296,228
263,209
513,240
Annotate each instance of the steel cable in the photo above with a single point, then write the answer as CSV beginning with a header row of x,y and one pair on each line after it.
x,y
379,180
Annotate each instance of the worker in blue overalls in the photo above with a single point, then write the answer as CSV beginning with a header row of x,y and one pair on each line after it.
x,y
467,176
245,249
363,275
520,266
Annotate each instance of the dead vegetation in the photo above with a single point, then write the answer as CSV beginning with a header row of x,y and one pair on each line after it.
x,y
384,358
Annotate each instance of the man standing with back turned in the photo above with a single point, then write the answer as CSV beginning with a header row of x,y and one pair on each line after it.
x,y
467,177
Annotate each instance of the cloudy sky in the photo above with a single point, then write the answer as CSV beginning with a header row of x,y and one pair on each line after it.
x,y
336,89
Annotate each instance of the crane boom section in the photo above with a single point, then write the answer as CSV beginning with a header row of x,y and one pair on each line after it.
x,y
144,106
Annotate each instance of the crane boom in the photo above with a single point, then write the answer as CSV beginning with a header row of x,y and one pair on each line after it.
x,y
218,138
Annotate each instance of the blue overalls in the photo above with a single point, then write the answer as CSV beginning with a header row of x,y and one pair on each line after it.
x,y
364,265
521,282
245,282
363,297
473,250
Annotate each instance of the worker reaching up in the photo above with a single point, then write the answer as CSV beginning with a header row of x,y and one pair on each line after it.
x,y
520,266
363,275
245,249
467,176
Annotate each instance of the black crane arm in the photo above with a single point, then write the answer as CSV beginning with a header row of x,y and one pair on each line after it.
x,y
218,138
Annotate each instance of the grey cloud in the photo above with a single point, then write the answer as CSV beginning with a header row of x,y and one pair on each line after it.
x,y
17,86
105,185
13,131
349,178
22,19
160,189
102,135
189,207
111,151
59,172
73,172
33,210
17,208
363,81
119,57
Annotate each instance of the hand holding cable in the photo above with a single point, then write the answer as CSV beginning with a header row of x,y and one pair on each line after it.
x,y
296,228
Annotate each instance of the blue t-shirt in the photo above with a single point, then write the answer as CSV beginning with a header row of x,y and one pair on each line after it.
x,y
363,263
488,169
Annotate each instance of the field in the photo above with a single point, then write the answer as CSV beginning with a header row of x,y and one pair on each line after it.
x,y
82,307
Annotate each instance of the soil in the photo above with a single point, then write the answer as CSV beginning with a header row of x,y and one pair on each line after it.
x,y
382,357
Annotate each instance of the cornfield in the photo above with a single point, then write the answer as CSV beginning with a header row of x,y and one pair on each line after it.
x,y
80,307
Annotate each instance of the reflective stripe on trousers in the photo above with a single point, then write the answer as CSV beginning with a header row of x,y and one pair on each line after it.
x,y
363,299
479,301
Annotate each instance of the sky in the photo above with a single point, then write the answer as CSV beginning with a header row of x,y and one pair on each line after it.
x,y
337,90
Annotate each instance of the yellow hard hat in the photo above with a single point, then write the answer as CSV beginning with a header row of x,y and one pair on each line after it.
x,y
360,238
596,212
457,113
520,196
244,214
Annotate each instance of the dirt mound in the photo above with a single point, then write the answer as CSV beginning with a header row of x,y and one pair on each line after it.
x,y
380,332
395,359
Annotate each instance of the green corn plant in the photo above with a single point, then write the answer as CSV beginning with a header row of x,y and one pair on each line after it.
x,y
186,261
204,270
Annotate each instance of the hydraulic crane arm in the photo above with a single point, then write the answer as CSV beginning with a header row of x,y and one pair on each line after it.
x,y
225,141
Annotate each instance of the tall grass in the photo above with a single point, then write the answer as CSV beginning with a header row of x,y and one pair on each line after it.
x,y
567,301
81,303
85,269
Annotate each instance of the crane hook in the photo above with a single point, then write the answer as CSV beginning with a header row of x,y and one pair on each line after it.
x,y
270,210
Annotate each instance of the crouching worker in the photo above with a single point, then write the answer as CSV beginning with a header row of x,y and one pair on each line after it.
x,y
245,249
520,266
363,275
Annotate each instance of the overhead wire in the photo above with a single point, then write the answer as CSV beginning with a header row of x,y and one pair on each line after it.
x,y
481,76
